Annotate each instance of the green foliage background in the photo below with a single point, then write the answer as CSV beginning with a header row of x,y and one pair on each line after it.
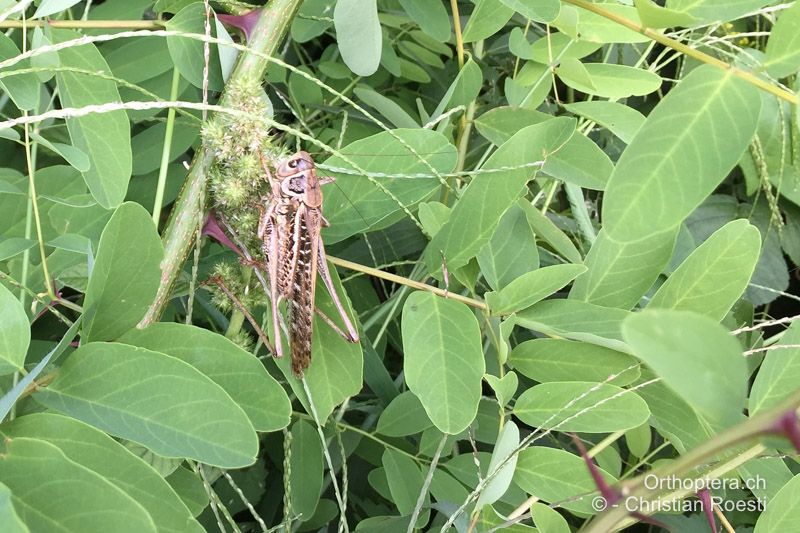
x,y
557,224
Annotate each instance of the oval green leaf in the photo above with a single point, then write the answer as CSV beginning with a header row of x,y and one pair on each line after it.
x,y
532,287
432,17
488,17
488,195
501,466
620,273
443,359
126,274
306,469
610,81
619,119
356,204
155,400
104,137
511,251
783,45
783,512
581,406
540,11
657,184
101,454
52,492
403,416
188,53
337,366
546,360
238,372
715,275
555,475
15,332
703,364
404,478
779,373
358,34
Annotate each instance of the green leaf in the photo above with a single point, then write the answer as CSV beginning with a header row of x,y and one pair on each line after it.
x,y
140,59
556,475
572,319
596,28
711,109
580,162
155,400
51,7
358,34
23,89
532,287
306,28
619,119
101,454
488,17
487,196
355,205
548,520
189,487
511,252
501,123
403,416
656,16
238,372
14,245
783,511
779,372
504,388
148,144
405,480
15,332
337,366
783,45
620,273
104,137
703,364
75,157
465,87
672,416
188,53
443,359
306,469
546,360
581,406
716,273
714,10
51,492
10,521
611,81
501,468
561,45
432,17
547,231
386,107
539,11
126,274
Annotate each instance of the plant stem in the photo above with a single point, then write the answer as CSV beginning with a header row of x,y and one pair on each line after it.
x,y
162,172
181,230
408,282
684,465
687,50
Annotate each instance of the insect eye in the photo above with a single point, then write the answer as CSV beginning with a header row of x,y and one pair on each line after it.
x,y
293,163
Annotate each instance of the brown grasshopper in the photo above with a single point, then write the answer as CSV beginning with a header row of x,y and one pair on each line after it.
x,y
289,230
